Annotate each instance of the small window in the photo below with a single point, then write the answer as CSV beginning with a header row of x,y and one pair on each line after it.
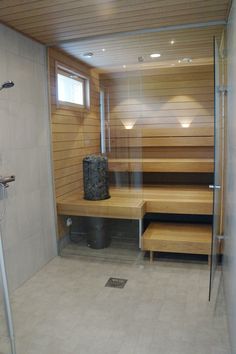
x,y
72,88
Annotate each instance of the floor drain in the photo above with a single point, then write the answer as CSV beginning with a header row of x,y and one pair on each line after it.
x,y
116,283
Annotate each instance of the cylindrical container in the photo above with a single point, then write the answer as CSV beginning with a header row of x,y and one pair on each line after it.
x,y
96,179
97,236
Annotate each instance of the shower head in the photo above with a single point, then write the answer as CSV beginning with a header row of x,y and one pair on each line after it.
x,y
7,84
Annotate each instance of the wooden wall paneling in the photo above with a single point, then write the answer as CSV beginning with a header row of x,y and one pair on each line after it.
x,y
160,101
75,133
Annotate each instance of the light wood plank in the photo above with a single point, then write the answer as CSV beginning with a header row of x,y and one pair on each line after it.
x,y
178,238
161,198
161,165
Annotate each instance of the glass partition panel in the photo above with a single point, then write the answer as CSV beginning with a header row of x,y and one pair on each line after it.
x,y
123,131
218,170
7,343
5,347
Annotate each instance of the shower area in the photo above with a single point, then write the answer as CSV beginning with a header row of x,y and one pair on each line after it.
x,y
27,228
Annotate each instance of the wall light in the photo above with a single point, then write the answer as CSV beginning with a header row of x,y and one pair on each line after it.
x,y
185,125
185,122
128,123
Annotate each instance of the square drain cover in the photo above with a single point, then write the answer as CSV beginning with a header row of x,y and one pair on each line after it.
x,y
116,283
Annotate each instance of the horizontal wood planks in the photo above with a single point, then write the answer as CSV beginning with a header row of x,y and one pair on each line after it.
x,y
162,165
172,110
133,203
75,132
178,238
55,20
196,42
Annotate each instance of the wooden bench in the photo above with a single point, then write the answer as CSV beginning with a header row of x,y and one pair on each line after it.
x,y
177,238
134,203
174,199
118,207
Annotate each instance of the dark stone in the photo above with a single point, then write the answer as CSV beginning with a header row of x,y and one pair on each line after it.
x,y
96,178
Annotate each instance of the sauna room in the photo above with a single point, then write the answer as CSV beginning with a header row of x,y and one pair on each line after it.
x,y
117,176
148,108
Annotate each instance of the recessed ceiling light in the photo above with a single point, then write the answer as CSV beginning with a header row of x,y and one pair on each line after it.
x,y
103,49
124,66
172,42
88,55
155,55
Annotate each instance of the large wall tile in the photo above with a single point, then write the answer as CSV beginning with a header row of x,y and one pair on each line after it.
x,y
29,234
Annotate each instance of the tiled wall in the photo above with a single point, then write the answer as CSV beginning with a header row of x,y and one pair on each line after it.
x,y
29,228
230,185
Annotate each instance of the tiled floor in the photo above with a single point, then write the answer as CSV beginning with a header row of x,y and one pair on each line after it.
x,y
163,309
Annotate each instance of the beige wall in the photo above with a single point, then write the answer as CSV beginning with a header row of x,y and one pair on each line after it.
x,y
29,227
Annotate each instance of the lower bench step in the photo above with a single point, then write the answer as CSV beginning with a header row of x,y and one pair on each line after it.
x,y
177,238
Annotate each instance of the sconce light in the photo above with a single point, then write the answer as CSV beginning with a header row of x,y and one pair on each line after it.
x,y
185,125
185,122
128,123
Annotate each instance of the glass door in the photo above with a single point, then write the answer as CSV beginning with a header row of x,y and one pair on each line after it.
x,y
7,343
5,347
215,270
6,329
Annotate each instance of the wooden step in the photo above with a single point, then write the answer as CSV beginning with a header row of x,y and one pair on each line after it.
x,y
177,238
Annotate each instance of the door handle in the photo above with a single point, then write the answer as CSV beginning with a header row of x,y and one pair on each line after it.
x,y
214,186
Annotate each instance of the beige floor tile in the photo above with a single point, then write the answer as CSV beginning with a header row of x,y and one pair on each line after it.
x,y
163,309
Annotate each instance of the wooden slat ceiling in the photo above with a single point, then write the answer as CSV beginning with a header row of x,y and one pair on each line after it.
x,y
196,44
73,26
50,21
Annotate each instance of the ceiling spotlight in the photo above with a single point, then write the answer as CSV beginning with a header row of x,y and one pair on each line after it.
x,y
88,55
103,49
124,66
172,42
185,60
140,59
155,55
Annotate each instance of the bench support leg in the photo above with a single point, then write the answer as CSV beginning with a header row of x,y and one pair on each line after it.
x,y
140,232
151,256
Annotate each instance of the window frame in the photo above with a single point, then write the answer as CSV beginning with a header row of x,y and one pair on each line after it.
x,y
67,71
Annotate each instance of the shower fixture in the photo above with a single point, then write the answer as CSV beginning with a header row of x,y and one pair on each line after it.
x,y
5,180
7,84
